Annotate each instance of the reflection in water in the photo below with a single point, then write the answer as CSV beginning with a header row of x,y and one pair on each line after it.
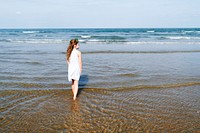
x,y
75,117
75,106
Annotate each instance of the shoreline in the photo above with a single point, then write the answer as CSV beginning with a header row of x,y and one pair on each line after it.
x,y
38,87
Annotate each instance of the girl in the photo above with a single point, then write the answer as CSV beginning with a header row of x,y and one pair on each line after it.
x,y
74,62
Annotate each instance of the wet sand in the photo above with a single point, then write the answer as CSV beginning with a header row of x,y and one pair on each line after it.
x,y
135,109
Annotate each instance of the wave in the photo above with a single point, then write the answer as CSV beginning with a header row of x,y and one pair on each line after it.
x,y
109,37
85,37
127,75
163,42
101,41
181,37
128,36
99,52
191,31
163,86
150,31
35,41
23,85
104,41
96,40
5,40
139,52
30,32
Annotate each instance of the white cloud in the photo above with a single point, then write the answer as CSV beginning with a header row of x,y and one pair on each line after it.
x,y
18,13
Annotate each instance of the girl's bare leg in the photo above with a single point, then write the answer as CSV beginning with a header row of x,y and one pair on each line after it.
x,y
75,89
73,86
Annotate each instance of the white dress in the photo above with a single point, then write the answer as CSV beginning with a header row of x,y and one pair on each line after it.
x,y
73,66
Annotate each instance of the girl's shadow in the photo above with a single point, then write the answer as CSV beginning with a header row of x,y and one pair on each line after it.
x,y
82,83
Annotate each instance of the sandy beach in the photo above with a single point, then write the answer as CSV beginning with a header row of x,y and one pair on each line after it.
x,y
139,109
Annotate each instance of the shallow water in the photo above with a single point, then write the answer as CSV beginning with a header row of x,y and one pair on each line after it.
x,y
43,66
134,81
142,109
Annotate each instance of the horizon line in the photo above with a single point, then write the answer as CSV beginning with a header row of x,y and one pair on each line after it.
x,y
100,28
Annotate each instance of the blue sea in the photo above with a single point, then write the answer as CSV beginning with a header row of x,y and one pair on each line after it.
x,y
112,58
106,36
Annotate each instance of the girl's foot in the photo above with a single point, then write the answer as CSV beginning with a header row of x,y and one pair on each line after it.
x,y
74,98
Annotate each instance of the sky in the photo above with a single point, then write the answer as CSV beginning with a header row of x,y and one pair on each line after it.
x,y
99,14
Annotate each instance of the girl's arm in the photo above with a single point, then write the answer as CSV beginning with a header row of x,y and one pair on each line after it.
x,y
66,59
80,61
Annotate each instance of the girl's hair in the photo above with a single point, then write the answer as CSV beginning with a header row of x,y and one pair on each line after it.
x,y
70,47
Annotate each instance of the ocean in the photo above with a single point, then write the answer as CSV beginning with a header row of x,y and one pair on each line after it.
x,y
35,58
133,80
105,36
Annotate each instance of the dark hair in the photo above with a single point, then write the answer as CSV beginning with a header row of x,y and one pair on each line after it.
x,y
70,47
